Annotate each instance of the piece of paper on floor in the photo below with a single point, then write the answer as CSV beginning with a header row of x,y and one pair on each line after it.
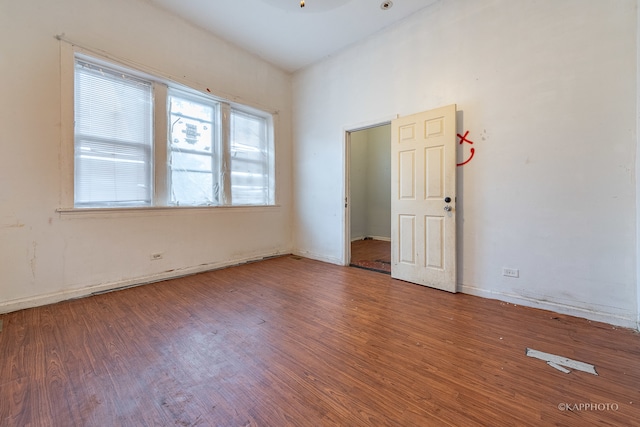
x,y
559,361
559,368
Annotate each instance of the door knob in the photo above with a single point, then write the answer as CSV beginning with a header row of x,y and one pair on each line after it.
x,y
447,199
447,208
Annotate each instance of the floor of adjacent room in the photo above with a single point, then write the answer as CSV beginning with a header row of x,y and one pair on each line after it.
x,y
291,341
371,254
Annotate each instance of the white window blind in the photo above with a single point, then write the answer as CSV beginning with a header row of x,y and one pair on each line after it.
x,y
113,137
250,164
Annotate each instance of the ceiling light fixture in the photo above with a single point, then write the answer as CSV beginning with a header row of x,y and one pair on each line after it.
x,y
386,5
319,6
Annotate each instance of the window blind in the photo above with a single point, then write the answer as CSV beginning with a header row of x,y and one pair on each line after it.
x,y
250,164
113,137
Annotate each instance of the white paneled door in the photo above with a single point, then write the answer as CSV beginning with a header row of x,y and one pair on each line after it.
x,y
423,196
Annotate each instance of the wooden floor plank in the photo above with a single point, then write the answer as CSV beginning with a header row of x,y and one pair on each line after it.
x,y
295,342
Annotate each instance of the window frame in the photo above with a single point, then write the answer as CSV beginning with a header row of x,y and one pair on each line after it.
x,y
160,169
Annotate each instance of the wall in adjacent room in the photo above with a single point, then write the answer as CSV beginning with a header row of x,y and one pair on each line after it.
x,y
370,183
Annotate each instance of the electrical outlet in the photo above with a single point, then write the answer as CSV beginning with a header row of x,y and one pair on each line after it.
x,y
510,272
156,256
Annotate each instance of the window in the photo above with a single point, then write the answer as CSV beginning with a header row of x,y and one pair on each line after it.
x,y
195,158
113,138
217,153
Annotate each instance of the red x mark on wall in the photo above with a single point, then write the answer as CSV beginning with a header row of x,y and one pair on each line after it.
x,y
463,138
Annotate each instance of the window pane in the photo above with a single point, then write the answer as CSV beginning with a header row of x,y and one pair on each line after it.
x,y
191,162
113,137
191,125
111,174
193,188
193,158
249,159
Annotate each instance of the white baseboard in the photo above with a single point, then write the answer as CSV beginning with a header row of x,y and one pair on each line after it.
x,y
317,257
385,239
625,320
52,298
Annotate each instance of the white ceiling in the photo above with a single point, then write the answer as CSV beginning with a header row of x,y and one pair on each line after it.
x,y
283,33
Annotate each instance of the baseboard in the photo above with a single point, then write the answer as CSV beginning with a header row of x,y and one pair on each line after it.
x,y
317,257
52,298
385,239
618,319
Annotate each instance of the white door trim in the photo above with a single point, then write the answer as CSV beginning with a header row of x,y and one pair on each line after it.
x,y
346,189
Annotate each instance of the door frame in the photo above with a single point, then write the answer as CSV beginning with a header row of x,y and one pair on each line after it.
x,y
346,179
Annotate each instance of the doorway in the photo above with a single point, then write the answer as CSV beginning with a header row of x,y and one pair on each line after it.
x,y
369,195
420,191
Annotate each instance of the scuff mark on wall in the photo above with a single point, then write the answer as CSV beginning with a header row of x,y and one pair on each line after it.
x,y
33,258
16,224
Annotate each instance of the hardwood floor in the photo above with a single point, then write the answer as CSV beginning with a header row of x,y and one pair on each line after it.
x,y
295,342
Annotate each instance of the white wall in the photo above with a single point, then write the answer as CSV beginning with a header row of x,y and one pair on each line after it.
x,y
358,184
370,183
379,181
638,165
47,256
547,91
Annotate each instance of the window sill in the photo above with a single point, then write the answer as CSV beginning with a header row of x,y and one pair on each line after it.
x,y
160,210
